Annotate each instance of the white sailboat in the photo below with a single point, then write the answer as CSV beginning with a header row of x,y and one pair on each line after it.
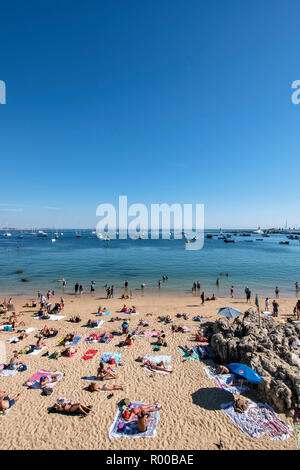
x,y
258,231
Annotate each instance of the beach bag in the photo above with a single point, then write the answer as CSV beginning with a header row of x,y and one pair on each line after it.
x,y
47,391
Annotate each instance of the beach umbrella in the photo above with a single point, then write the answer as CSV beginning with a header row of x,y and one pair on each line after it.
x,y
245,372
229,312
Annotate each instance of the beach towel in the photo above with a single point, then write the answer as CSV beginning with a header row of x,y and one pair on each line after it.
x,y
35,352
8,372
6,328
146,369
121,427
204,352
194,357
105,338
258,420
15,338
89,354
99,324
35,379
74,342
157,358
197,319
116,356
224,380
152,333
53,317
105,314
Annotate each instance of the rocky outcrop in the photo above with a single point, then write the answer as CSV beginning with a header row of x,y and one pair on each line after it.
x,y
270,348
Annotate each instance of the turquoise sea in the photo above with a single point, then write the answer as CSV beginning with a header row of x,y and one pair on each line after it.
x,y
261,265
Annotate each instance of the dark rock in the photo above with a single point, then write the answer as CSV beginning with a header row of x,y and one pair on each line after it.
x,y
270,348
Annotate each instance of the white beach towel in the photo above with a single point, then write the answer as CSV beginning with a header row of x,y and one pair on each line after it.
x,y
99,324
146,369
8,373
54,318
36,351
15,338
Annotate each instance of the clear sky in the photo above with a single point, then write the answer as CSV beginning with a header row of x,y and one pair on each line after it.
x,y
160,100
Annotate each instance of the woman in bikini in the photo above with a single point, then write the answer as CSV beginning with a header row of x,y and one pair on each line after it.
x,y
159,366
71,408
106,374
6,402
96,387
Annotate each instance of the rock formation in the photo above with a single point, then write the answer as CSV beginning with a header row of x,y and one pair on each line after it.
x,y
271,349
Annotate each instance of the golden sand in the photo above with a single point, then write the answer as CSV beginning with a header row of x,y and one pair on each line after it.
x,y
190,418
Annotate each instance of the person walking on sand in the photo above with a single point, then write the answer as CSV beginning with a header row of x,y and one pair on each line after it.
x,y
202,298
297,288
248,294
275,308
277,292
267,304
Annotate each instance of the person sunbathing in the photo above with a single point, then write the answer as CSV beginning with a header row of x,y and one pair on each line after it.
x,y
69,351
177,329
22,336
187,350
185,316
143,421
6,402
130,413
124,309
44,381
70,408
132,309
75,319
222,370
69,338
125,327
105,374
40,343
92,323
100,311
49,332
96,387
128,341
156,366
14,362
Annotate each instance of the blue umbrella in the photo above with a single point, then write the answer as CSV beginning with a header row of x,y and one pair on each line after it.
x,y
245,372
229,312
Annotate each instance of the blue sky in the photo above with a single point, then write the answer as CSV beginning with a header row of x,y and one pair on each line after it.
x,y
162,101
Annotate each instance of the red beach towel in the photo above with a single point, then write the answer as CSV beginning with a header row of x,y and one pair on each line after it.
x,y
89,354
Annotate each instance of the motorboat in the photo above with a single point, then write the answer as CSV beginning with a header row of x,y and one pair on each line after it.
x,y
229,240
41,233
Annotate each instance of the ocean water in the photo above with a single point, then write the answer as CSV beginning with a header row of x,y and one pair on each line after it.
x,y
261,265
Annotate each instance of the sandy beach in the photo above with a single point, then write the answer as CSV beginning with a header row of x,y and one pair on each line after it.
x,y
191,417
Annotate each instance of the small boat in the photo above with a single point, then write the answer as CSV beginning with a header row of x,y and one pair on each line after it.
x,y
78,235
7,234
284,243
53,240
20,236
41,233
258,231
259,239
209,235
229,240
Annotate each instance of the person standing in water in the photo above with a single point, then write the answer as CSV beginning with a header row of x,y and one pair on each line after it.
x,y
202,298
232,292
277,292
